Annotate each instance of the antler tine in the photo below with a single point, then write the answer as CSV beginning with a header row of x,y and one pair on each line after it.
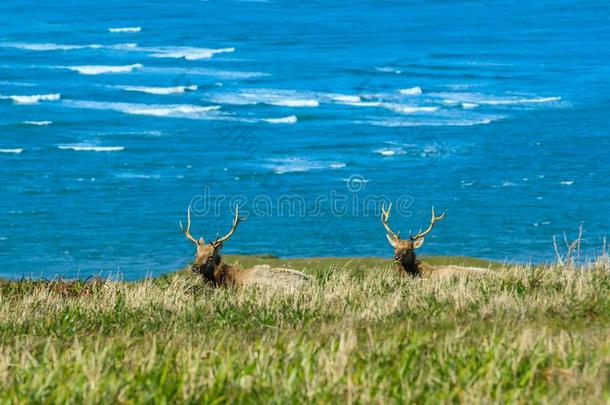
x,y
385,215
434,219
236,222
187,231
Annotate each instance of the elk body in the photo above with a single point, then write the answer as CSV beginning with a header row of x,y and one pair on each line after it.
x,y
208,263
404,250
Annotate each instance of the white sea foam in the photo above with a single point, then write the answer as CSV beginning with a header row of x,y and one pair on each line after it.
x,y
485,99
14,151
175,52
294,103
19,84
83,147
398,122
342,98
291,119
38,123
137,176
566,182
357,101
33,99
154,133
101,69
390,151
469,106
180,110
523,101
364,103
129,46
461,86
159,90
408,109
387,69
47,46
221,74
125,30
280,98
187,53
413,91
227,74
300,165
157,110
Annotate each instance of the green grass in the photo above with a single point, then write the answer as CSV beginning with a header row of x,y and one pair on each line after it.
x,y
356,333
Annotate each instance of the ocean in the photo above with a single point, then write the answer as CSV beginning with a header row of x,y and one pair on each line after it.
x,y
115,116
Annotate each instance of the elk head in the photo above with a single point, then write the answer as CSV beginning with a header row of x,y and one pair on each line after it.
x,y
208,261
404,249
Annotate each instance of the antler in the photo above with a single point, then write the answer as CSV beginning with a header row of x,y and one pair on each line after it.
x,y
385,215
187,231
421,234
236,221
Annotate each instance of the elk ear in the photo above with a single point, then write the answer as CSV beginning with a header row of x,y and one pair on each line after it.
x,y
417,243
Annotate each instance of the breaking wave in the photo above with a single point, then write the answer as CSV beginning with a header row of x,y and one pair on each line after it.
x,y
398,122
174,52
413,91
187,53
343,98
280,98
160,90
156,110
300,165
221,74
101,69
125,30
291,119
33,99
407,109
388,69
475,99
38,123
390,151
47,46
84,147
13,151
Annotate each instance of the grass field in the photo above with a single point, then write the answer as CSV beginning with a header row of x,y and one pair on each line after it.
x,y
356,333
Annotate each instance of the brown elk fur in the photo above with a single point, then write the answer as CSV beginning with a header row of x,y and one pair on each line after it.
x,y
208,263
404,251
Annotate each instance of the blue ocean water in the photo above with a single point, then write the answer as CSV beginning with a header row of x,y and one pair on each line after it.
x,y
114,116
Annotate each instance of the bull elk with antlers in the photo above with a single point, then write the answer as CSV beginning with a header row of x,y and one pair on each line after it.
x,y
404,251
208,262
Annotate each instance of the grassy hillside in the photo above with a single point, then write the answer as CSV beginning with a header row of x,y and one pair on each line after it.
x,y
356,333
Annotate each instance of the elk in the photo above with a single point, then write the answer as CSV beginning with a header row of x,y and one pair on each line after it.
x,y
404,249
208,262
